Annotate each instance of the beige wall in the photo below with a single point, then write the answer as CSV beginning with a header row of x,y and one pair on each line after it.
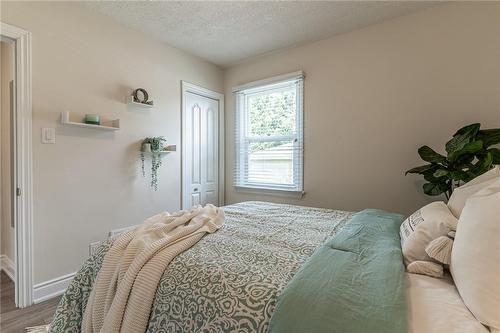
x,y
373,96
7,64
89,182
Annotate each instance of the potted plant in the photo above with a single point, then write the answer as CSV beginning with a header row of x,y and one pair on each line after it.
x,y
153,145
469,154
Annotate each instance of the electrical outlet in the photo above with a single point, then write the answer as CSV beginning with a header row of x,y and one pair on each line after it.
x,y
49,135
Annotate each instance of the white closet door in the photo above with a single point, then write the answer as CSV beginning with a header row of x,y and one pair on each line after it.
x,y
201,181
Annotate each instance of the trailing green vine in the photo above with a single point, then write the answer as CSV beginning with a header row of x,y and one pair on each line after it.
x,y
155,165
155,146
142,164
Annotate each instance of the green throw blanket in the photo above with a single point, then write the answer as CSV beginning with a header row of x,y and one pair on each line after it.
x,y
354,283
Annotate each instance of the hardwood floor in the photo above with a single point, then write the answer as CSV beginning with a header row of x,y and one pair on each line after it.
x,y
13,320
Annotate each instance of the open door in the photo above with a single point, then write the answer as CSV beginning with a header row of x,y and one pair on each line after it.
x,y
21,189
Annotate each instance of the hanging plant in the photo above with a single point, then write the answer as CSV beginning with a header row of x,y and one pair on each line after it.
x,y
153,145
155,165
142,164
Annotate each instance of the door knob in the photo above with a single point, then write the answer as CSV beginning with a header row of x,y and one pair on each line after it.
x,y
195,189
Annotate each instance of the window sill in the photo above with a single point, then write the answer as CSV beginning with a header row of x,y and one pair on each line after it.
x,y
272,192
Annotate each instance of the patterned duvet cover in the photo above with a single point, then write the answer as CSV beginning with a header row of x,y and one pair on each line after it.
x,y
229,281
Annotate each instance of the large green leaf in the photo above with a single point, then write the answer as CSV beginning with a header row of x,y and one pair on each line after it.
x,y
490,137
457,143
462,137
460,176
429,175
469,148
435,188
464,161
471,129
440,173
421,169
495,154
486,161
483,165
429,155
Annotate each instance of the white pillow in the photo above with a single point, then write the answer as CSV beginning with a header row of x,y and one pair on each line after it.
x,y
434,306
422,227
475,258
462,193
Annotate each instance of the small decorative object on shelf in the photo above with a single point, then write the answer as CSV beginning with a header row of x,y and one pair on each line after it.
x,y
92,119
154,146
140,97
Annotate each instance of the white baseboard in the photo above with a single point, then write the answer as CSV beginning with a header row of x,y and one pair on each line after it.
x,y
7,265
55,287
116,232
51,288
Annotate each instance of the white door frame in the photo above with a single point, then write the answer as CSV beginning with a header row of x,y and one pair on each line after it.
x,y
189,87
23,185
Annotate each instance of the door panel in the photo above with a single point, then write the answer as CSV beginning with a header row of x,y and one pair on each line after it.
x,y
211,196
195,145
201,144
211,142
195,199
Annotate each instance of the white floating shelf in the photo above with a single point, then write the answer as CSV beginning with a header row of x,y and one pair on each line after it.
x,y
107,125
165,150
142,105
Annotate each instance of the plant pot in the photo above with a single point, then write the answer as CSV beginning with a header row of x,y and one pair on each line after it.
x,y
146,147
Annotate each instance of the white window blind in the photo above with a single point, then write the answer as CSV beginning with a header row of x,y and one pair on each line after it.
x,y
269,134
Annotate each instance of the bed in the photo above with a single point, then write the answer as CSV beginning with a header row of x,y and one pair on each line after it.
x,y
232,280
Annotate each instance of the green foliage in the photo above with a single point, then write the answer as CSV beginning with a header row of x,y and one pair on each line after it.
x,y
156,142
468,155
271,115
156,146
155,165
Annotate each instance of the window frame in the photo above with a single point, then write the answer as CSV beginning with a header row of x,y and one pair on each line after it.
x,y
244,139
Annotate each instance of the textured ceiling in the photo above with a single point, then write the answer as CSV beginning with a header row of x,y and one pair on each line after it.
x,y
227,32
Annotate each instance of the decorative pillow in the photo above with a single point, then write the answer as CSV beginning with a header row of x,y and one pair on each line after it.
x,y
462,193
424,226
475,258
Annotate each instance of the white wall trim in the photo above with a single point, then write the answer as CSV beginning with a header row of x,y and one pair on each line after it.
x,y
270,80
52,288
189,87
119,231
23,205
7,265
270,192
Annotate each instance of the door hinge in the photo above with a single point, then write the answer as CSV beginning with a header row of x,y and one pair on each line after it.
x,y
18,192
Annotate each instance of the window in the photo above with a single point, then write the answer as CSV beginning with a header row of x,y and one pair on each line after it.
x,y
269,135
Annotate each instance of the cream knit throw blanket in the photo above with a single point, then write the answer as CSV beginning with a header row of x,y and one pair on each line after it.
x,y
124,291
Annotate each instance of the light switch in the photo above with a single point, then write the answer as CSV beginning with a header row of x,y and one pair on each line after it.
x,y
49,135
